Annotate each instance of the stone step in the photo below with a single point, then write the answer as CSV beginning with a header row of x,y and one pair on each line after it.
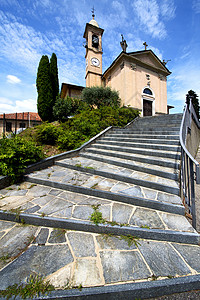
x,y
57,208
156,125
160,130
168,163
185,233
165,154
163,117
126,169
157,121
143,132
140,140
143,136
92,162
139,145
109,181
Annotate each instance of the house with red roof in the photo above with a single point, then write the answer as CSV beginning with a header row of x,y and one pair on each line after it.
x,y
13,122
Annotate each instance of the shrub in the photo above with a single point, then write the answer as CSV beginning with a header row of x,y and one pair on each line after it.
x,y
47,133
100,96
69,140
16,154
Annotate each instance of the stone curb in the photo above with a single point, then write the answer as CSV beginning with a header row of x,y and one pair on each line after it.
x,y
121,164
168,164
130,291
154,204
86,226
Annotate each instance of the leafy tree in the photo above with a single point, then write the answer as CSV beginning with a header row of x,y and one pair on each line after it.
x,y
100,96
195,101
54,76
64,108
44,89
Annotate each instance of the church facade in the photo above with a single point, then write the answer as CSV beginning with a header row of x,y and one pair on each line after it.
x,y
140,77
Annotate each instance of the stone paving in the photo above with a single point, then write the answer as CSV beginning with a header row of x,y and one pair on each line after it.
x,y
58,255
70,258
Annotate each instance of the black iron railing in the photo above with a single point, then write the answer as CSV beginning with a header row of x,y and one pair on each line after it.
x,y
190,171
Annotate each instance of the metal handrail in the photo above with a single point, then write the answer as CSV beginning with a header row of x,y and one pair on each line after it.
x,y
188,163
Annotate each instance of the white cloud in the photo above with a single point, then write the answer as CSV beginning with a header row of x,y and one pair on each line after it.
x,y
151,15
13,79
196,6
184,78
19,106
4,100
167,9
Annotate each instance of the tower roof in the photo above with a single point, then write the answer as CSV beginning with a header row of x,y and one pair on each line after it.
x,y
94,22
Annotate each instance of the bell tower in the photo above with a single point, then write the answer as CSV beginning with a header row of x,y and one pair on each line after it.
x,y
93,35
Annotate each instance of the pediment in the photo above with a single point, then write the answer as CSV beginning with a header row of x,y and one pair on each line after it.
x,y
150,59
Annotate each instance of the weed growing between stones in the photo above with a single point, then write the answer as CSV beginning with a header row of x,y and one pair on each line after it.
x,y
89,168
94,186
31,186
5,257
96,216
128,238
78,165
17,212
35,286
145,226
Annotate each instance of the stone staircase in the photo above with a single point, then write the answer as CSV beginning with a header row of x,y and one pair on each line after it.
x,y
131,176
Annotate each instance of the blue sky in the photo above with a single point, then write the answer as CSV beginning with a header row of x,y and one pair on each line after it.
x,y
32,28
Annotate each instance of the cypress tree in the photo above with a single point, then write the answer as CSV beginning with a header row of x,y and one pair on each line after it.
x,y
44,89
54,76
195,101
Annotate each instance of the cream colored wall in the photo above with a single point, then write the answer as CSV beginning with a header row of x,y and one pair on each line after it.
x,y
18,125
130,82
92,79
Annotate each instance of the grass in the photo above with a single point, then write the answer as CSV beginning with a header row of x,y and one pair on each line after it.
x,y
34,287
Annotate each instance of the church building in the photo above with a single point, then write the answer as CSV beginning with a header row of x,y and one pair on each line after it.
x,y
140,77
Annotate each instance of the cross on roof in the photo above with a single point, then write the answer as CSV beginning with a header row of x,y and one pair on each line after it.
x,y
145,44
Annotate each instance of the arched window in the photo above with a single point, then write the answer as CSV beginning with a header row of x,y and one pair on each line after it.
x,y
147,91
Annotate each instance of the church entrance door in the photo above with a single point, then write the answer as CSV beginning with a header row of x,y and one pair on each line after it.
x,y
147,108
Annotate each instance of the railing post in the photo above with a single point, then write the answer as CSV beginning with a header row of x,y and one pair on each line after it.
x,y
197,174
193,208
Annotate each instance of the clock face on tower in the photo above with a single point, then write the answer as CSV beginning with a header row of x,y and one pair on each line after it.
x,y
95,62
